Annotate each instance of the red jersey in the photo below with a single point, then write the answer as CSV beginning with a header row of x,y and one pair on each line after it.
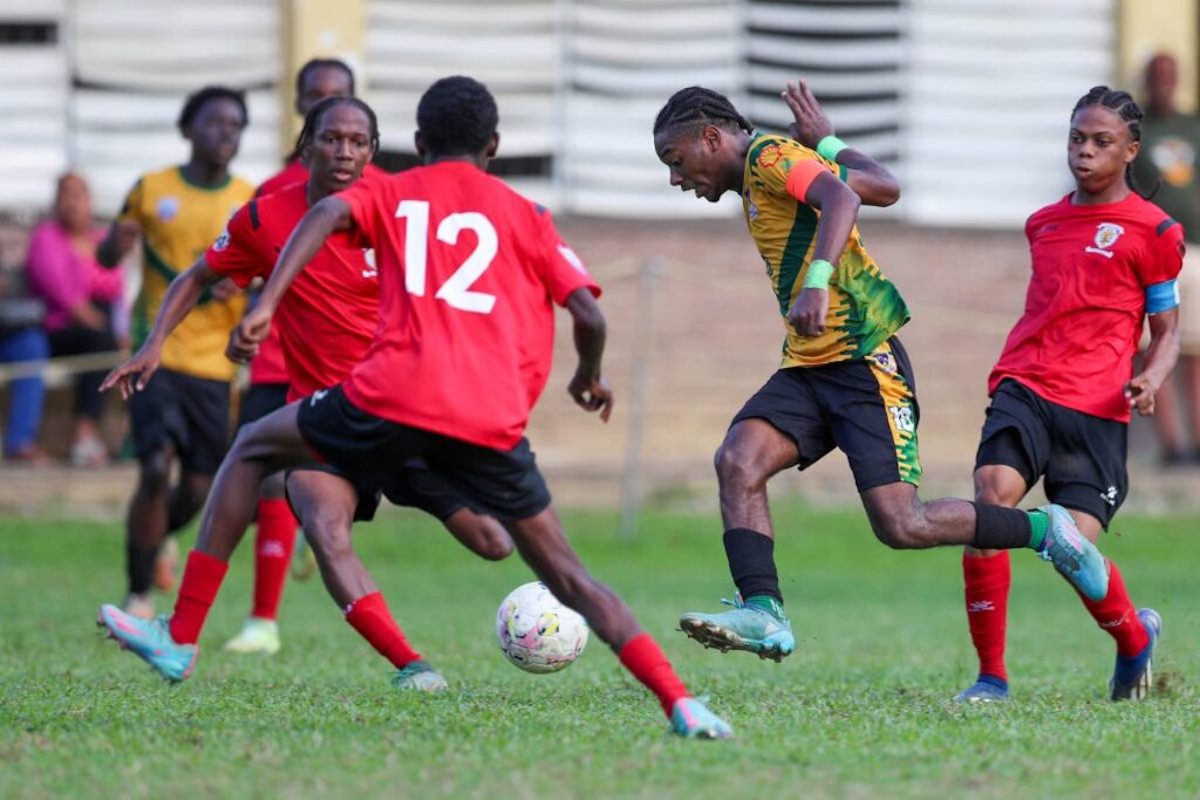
x,y
468,274
328,316
1086,302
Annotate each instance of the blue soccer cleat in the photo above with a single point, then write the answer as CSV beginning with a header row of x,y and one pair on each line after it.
x,y
419,676
1133,677
691,719
985,689
1073,555
150,640
759,627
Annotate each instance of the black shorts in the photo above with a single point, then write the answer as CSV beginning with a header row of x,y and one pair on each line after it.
x,y
866,407
187,413
503,483
261,399
1080,457
414,485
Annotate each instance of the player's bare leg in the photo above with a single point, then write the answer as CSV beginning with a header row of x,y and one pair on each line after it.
x,y
752,453
325,504
541,542
482,535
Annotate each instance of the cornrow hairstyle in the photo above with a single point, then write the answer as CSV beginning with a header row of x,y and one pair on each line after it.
x,y
322,63
696,107
1123,104
312,120
457,116
197,100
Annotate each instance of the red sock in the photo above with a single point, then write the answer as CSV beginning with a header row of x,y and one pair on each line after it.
x,y
642,656
369,616
273,545
201,581
986,589
1116,614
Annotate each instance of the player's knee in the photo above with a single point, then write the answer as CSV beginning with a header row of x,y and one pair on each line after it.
x,y
495,545
736,467
328,532
155,473
899,531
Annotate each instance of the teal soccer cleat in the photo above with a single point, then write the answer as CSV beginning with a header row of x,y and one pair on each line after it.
x,y
150,640
691,719
759,626
1073,555
1133,677
419,676
986,689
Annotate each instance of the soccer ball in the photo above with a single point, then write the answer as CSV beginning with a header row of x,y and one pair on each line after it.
x,y
536,632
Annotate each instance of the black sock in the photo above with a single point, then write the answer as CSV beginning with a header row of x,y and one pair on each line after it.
x,y
139,562
1000,528
752,562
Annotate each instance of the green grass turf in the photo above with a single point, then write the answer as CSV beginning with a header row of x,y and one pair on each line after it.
x,y
860,710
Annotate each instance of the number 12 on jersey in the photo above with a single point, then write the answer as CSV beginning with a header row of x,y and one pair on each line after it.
x,y
456,291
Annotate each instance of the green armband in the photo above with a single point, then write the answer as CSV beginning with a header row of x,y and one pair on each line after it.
x,y
829,147
818,275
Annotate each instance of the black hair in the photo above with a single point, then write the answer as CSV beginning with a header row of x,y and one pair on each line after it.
x,y
322,63
696,107
312,120
1125,107
197,100
457,116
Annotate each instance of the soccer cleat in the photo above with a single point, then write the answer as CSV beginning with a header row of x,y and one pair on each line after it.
x,y
419,676
986,689
257,636
166,565
138,605
1073,555
1133,677
304,563
763,629
691,719
150,640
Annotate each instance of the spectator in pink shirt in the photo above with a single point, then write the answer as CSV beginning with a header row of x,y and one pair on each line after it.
x,y
79,296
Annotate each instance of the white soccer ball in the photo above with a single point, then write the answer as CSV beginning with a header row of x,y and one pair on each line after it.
x,y
536,632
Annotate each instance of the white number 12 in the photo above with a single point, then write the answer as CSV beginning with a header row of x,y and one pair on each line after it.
x,y
456,291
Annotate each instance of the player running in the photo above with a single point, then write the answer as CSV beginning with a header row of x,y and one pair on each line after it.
x,y
1103,258
183,414
326,324
469,272
845,380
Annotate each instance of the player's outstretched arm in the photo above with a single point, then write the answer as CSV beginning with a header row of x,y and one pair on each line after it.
x,y
182,296
1161,356
588,386
874,185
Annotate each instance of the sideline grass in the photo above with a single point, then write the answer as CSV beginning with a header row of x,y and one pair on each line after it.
x,y
860,710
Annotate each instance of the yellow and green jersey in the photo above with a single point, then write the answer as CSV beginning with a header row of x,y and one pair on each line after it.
x,y
179,221
865,308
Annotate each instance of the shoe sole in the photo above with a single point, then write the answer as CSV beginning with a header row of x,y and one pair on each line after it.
x,y
714,637
1141,690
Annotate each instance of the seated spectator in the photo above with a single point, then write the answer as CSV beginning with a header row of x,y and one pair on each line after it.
x,y
79,295
22,340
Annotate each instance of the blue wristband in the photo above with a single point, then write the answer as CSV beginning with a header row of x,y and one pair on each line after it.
x,y
819,272
829,147
1162,297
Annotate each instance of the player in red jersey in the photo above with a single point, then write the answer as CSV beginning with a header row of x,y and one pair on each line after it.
x,y
326,325
1104,259
469,273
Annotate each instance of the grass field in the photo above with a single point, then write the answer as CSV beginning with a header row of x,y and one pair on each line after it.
x,y
860,710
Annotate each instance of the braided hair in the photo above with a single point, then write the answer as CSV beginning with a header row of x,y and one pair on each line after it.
x,y
1124,106
696,107
313,119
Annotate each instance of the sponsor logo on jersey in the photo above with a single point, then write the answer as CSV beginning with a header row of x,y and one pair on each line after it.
x,y
1107,234
769,156
222,241
167,208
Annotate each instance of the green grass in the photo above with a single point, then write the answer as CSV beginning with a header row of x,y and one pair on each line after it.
x,y
860,710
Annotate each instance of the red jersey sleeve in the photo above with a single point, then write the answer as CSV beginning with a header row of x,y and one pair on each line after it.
x,y
1164,255
238,253
565,271
363,200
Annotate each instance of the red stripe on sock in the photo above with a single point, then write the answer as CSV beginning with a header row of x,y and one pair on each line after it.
x,y
369,615
986,583
642,656
1116,615
201,581
273,546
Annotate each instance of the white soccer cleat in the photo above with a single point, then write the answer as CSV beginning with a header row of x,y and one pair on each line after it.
x,y
257,636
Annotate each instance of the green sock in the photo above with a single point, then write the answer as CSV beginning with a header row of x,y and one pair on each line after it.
x,y
1039,523
764,602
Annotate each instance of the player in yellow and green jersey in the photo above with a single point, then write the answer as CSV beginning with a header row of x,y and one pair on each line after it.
x,y
844,381
183,413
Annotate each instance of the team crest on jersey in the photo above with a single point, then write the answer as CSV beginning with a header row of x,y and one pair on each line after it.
x,y
222,241
1107,234
167,208
571,258
769,156
369,259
